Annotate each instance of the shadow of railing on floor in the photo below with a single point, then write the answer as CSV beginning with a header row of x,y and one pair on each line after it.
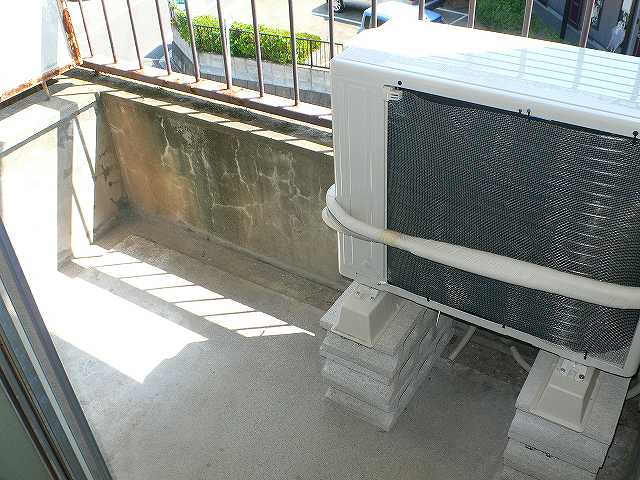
x,y
186,295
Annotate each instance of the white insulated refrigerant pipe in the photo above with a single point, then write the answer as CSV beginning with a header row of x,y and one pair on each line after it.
x,y
490,265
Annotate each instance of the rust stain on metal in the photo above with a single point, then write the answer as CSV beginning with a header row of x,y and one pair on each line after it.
x,y
74,49
217,91
71,34
7,94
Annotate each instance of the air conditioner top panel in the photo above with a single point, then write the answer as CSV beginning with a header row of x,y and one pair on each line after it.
x,y
578,79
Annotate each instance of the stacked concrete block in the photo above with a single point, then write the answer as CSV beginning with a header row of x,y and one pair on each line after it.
x,y
377,383
541,449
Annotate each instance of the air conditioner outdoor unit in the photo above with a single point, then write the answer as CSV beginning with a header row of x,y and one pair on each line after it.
x,y
496,179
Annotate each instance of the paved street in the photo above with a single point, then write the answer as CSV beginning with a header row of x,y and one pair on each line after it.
x,y
311,16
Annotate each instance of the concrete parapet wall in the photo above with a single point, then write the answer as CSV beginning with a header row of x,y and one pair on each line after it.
x,y
60,184
250,180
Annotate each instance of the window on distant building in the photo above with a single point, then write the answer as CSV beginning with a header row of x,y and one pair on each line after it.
x,y
595,16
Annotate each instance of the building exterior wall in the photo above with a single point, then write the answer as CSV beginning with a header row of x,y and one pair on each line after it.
x,y
608,20
598,37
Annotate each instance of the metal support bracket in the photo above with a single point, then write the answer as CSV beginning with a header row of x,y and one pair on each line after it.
x,y
365,313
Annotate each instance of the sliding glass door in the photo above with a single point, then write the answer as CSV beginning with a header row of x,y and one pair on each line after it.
x,y
38,401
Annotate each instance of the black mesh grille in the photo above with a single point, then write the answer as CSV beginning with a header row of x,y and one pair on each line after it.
x,y
547,193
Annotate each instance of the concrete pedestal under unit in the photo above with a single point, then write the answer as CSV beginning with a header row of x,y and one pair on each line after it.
x,y
374,369
566,417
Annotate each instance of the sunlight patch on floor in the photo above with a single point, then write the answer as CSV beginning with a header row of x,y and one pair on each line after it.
x,y
120,333
195,299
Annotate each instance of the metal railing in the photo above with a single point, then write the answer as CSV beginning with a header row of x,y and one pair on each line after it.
x,y
311,52
260,100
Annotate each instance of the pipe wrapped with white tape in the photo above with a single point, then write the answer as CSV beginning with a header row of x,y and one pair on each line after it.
x,y
490,265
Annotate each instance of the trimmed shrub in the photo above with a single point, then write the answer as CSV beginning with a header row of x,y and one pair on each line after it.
x,y
275,43
506,16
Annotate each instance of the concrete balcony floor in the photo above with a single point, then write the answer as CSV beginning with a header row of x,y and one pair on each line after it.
x,y
187,369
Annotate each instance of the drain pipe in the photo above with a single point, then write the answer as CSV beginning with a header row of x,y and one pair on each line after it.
x,y
490,265
462,343
515,353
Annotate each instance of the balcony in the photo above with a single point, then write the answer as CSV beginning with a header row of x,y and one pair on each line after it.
x,y
171,233
176,251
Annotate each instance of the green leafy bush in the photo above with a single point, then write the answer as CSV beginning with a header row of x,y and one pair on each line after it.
x,y
275,43
506,16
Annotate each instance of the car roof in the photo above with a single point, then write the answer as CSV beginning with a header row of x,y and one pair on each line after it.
x,y
387,10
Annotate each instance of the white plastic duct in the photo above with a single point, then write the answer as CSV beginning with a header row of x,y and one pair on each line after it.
x,y
490,265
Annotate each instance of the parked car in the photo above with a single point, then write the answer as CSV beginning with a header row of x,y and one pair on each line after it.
x,y
341,5
397,10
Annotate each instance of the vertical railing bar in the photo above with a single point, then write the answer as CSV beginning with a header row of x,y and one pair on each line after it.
x,y
165,48
106,21
586,22
294,54
526,22
373,22
86,30
420,9
471,20
332,41
256,38
226,61
194,52
135,37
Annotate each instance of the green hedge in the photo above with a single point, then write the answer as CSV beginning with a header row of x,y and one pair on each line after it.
x,y
506,16
275,47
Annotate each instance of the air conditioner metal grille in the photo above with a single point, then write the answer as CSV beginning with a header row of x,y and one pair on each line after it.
x,y
547,193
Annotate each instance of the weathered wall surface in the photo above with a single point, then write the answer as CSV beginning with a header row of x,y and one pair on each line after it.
x,y
258,189
59,178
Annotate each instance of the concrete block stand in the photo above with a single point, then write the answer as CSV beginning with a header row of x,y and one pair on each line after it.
x,y
539,448
377,383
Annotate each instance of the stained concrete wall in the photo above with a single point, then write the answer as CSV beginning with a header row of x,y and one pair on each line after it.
x,y
59,179
249,180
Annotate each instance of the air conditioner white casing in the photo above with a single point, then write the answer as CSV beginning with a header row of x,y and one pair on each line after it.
x,y
587,88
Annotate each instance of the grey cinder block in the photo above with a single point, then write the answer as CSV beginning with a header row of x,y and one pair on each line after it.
x,y
509,473
608,397
541,465
424,370
377,416
378,394
370,361
562,442
369,413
